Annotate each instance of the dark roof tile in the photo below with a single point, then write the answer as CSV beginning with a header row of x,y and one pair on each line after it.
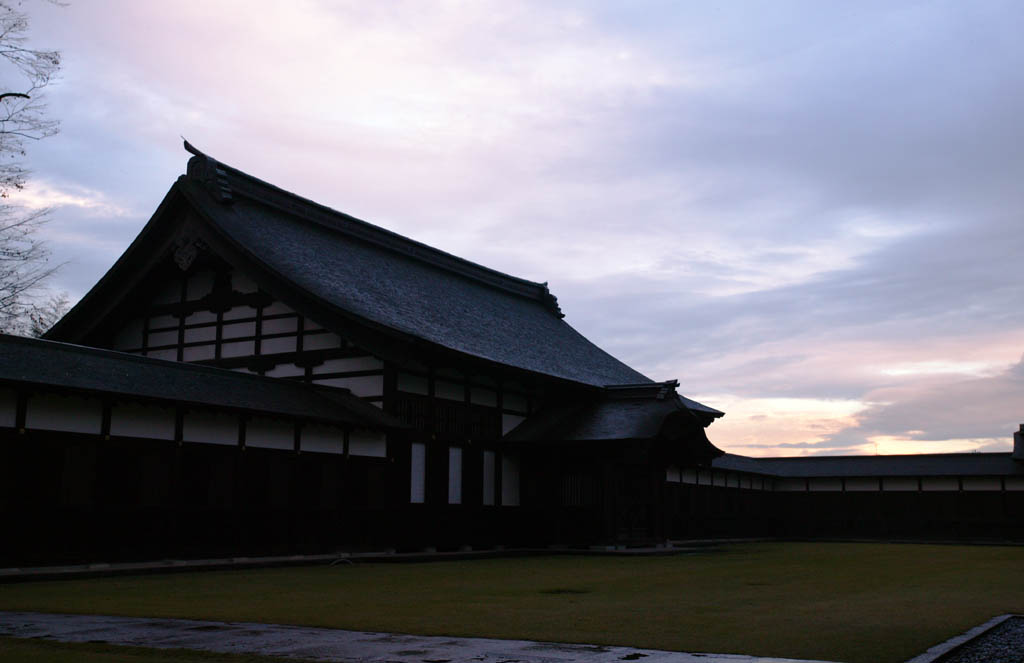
x,y
402,285
620,413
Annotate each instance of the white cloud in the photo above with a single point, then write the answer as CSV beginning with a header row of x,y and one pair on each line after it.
x,y
42,194
806,207
780,426
943,367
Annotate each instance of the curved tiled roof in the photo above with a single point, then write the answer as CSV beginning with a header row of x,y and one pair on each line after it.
x,y
394,283
625,412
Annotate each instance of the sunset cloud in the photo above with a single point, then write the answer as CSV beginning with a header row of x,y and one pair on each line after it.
x,y
806,212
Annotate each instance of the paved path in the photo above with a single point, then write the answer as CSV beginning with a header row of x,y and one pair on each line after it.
x,y
325,644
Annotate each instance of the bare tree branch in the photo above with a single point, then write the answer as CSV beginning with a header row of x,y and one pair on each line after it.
x,y
24,257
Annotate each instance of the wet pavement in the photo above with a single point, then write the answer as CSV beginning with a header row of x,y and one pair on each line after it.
x,y
325,644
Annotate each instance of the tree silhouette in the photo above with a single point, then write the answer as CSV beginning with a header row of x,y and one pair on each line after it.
x,y
24,257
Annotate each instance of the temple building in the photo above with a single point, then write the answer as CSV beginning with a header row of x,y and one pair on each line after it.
x,y
261,374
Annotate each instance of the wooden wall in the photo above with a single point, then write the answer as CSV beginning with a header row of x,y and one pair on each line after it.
x,y
935,508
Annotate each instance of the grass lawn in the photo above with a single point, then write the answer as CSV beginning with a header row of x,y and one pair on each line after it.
x,y
842,602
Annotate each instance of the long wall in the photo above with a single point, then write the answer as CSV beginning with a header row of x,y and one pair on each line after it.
x,y
705,503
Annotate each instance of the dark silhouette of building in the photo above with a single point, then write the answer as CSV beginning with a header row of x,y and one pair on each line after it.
x,y
260,374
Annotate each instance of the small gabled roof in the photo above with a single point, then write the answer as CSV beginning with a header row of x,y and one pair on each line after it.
x,y
931,465
619,413
378,282
48,364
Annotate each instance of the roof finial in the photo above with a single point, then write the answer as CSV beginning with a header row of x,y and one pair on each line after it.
x,y
191,149
205,170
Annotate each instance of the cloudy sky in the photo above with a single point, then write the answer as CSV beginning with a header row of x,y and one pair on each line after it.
x,y
810,213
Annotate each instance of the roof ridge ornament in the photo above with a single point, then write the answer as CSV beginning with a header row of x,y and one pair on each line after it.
x,y
186,251
549,300
205,171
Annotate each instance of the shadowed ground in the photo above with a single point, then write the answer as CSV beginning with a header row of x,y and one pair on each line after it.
x,y
845,602
13,649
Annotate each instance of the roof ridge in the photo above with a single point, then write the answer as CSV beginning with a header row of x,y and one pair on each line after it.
x,y
225,183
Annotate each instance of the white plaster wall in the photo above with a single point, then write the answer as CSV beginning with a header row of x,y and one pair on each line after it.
x,y
790,485
940,483
169,354
8,407
828,485
689,476
488,478
1014,483
718,479
367,385
412,384
273,346
269,434
73,414
733,481
861,484
138,420
367,443
280,326
672,474
510,421
238,329
211,427
509,479
321,341
982,483
454,475
198,353
349,364
904,484
200,334
322,439
163,338
417,473
238,349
